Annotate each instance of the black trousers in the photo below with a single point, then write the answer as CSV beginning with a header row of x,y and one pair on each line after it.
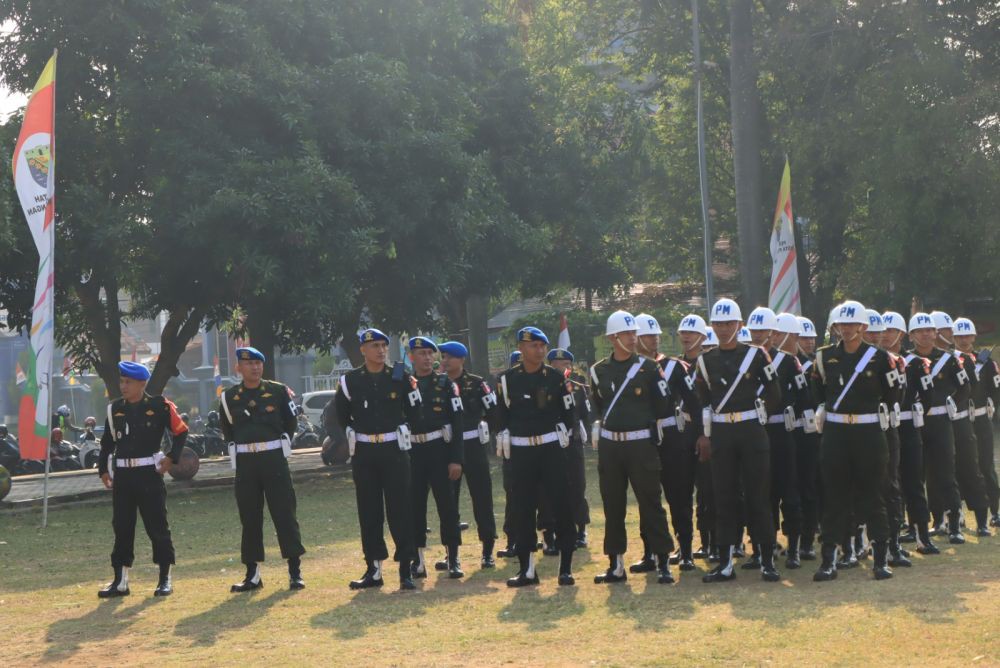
x,y
476,472
853,467
508,508
260,476
429,471
705,497
939,465
741,477
532,467
984,442
967,471
578,483
786,504
911,473
637,463
678,470
808,451
139,489
381,474
891,489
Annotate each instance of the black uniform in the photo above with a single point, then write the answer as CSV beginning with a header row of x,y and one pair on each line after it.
x,y
786,504
740,449
135,432
916,397
478,401
578,445
259,415
970,478
531,406
438,412
374,405
985,395
807,456
855,452
705,493
642,400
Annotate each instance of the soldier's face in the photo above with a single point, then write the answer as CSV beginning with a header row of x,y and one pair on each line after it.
x,y
726,331
946,335
760,337
849,331
452,366
964,342
807,344
779,340
532,352
890,337
251,370
131,388
923,338
690,340
872,338
624,341
561,365
650,343
375,352
423,361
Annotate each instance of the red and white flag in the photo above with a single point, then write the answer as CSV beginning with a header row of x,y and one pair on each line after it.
x,y
563,332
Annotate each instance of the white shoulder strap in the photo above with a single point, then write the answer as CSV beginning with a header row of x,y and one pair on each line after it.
x,y
775,363
225,407
503,386
634,369
343,387
669,370
703,371
940,364
862,363
593,378
819,365
111,424
744,367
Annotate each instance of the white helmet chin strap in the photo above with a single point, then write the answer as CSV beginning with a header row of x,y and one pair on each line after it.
x,y
736,333
639,343
779,346
899,335
694,345
624,347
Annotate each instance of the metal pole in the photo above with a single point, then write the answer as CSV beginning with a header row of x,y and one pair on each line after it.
x,y
52,307
702,169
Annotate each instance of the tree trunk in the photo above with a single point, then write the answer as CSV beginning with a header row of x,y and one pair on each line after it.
x,y
478,315
104,322
182,325
588,299
260,329
745,114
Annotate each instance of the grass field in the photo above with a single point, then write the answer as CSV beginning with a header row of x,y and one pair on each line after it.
x,y
944,611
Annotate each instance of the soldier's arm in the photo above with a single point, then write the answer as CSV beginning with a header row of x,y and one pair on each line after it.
x,y
107,447
567,403
685,385
178,431
659,392
772,384
595,393
456,449
500,417
224,423
342,405
289,421
816,383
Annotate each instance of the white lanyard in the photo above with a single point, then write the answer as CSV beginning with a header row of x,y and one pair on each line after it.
x,y
862,363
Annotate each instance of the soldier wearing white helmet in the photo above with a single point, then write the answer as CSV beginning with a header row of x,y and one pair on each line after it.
x,y
648,344
744,336
735,440
968,470
631,395
944,326
807,339
855,383
678,461
943,378
873,332
807,445
911,445
985,395
711,341
761,323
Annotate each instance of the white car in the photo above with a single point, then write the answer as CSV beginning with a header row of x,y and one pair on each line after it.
x,y
313,404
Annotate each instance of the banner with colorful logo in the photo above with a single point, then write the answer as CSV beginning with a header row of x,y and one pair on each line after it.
x,y
784,295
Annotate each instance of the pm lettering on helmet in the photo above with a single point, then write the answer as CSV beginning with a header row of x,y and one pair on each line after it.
x,y
806,327
723,309
924,320
651,323
964,327
757,319
629,320
873,319
688,322
847,311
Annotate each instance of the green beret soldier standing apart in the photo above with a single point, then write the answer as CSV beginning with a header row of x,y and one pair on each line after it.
x,y
132,467
258,419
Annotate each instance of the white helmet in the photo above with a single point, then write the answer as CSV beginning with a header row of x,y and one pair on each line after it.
x,y
850,312
964,327
893,320
762,318
875,323
693,323
725,310
621,321
743,336
808,328
942,320
710,340
920,321
647,324
787,323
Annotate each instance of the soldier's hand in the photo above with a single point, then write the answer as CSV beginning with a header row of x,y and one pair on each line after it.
x,y
165,465
454,471
106,479
704,446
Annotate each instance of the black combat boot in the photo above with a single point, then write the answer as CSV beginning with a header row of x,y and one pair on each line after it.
x,y
706,546
767,570
454,566
753,563
955,536
663,574
792,555
687,556
165,585
295,580
251,580
566,578
724,572
118,586
828,567
926,545
983,524
910,535
616,571
806,550
897,555
406,582
487,559
372,576
880,553
527,575
550,549
648,562
581,536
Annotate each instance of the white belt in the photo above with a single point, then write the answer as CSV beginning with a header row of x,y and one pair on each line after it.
x,y
943,410
376,438
980,411
637,435
427,437
906,415
735,417
671,421
776,419
962,414
469,435
541,439
852,418
134,463
244,448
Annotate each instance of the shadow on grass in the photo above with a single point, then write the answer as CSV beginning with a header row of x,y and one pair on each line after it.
x,y
373,609
236,612
106,621
541,613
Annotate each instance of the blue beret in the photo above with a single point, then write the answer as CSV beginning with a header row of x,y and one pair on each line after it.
x,y
372,334
454,348
249,353
133,370
515,357
532,334
421,343
560,354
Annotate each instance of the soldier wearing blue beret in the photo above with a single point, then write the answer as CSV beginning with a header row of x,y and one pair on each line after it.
x,y
132,466
562,360
258,418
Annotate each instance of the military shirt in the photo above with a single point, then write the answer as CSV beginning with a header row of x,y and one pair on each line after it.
x,y
876,383
989,381
440,405
644,399
793,382
532,404
257,415
718,369
137,430
478,400
806,400
915,388
949,380
375,403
